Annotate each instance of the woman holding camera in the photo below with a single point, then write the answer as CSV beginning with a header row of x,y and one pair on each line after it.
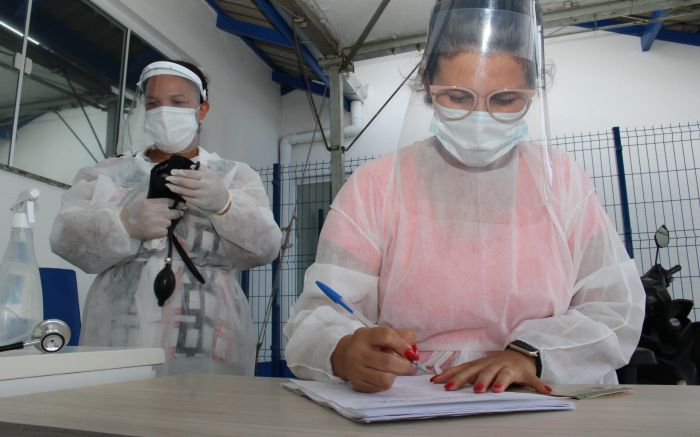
x,y
109,226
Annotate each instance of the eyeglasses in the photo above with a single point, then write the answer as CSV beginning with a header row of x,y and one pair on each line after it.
x,y
454,103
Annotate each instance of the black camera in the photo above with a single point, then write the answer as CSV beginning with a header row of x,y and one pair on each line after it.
x,y
156,185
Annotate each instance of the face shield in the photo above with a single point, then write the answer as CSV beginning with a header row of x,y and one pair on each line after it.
x,y
480,88
474,133
169,120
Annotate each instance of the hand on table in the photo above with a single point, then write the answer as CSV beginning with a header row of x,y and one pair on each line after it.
x,y
496,371
371,358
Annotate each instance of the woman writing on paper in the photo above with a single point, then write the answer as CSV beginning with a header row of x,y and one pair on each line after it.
x,y
485,256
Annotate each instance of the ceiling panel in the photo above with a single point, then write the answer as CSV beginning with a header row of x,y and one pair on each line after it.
x,y
347,19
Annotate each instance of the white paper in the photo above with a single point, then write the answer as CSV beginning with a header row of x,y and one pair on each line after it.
x,y
415,397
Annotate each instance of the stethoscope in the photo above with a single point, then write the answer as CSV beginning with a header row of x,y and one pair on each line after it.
x,y
48,336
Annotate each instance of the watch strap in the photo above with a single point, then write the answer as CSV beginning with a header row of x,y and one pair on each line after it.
x,y
530,351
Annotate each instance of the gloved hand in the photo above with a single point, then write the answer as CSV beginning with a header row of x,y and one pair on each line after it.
x,y
146,219
200,188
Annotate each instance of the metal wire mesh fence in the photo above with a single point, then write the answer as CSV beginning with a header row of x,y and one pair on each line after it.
x,y
306,193
657,168
643,177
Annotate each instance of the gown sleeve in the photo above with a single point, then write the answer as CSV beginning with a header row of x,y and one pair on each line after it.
x,y
348,260
248,230
87,230
602,325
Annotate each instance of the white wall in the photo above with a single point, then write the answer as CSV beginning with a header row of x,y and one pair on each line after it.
x,y
46,147
602,80
243,124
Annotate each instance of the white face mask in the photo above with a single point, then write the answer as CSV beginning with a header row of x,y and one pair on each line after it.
x,y
477,140
172,129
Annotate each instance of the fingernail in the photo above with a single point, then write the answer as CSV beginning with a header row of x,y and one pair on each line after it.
x,y
411,355
479,388
450,385
433,378
548,389
497,387
415,347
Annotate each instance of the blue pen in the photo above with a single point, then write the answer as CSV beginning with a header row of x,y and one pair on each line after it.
x,y
338,299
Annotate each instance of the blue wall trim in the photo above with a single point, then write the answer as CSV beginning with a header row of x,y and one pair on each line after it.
x,y
281,25
298,83
687,38
651,30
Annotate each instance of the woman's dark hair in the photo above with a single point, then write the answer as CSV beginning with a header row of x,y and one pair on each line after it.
x,y
455,36
194,69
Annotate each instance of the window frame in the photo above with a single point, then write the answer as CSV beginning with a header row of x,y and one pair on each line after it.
x,y
131,24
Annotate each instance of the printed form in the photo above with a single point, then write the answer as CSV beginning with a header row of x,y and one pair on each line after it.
x,y
415,397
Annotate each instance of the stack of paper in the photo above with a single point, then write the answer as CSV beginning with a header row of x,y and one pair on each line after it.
x,y
414,397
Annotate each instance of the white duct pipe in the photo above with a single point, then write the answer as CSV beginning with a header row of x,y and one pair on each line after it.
x,y
289,189
349,131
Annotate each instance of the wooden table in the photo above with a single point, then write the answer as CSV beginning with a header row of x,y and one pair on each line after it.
x,y
196,405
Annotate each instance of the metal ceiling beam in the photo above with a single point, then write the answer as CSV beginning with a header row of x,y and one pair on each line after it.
x,y
314,28
652,30
391,46
249,42
554,18
612,9
348,58
241,28
276,19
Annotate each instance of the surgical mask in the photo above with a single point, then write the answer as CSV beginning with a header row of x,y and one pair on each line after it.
x,y
477,140
172,129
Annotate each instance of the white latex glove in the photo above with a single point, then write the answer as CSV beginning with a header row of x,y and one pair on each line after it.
x,y
146,219
200,188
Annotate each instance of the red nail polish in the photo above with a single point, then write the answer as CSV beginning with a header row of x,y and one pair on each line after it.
x,y
497,387
415,348
411,355
479,388
548,388
450,385
433,378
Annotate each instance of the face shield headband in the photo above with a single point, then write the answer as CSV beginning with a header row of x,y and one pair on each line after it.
x,y
173,69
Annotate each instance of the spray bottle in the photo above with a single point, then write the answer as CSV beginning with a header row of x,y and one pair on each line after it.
x,y
21,298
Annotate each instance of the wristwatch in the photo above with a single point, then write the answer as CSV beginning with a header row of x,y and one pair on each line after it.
x,y
528,350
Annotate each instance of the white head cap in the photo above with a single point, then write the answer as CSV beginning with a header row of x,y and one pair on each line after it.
x,y
171,68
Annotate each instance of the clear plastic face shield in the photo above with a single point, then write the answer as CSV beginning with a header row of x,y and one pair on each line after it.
x,y
481,87
164,114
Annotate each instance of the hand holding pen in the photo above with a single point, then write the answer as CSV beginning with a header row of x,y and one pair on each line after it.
x,y
372,357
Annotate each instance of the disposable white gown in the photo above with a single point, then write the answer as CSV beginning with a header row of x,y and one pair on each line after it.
x,y
472,259
202,328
